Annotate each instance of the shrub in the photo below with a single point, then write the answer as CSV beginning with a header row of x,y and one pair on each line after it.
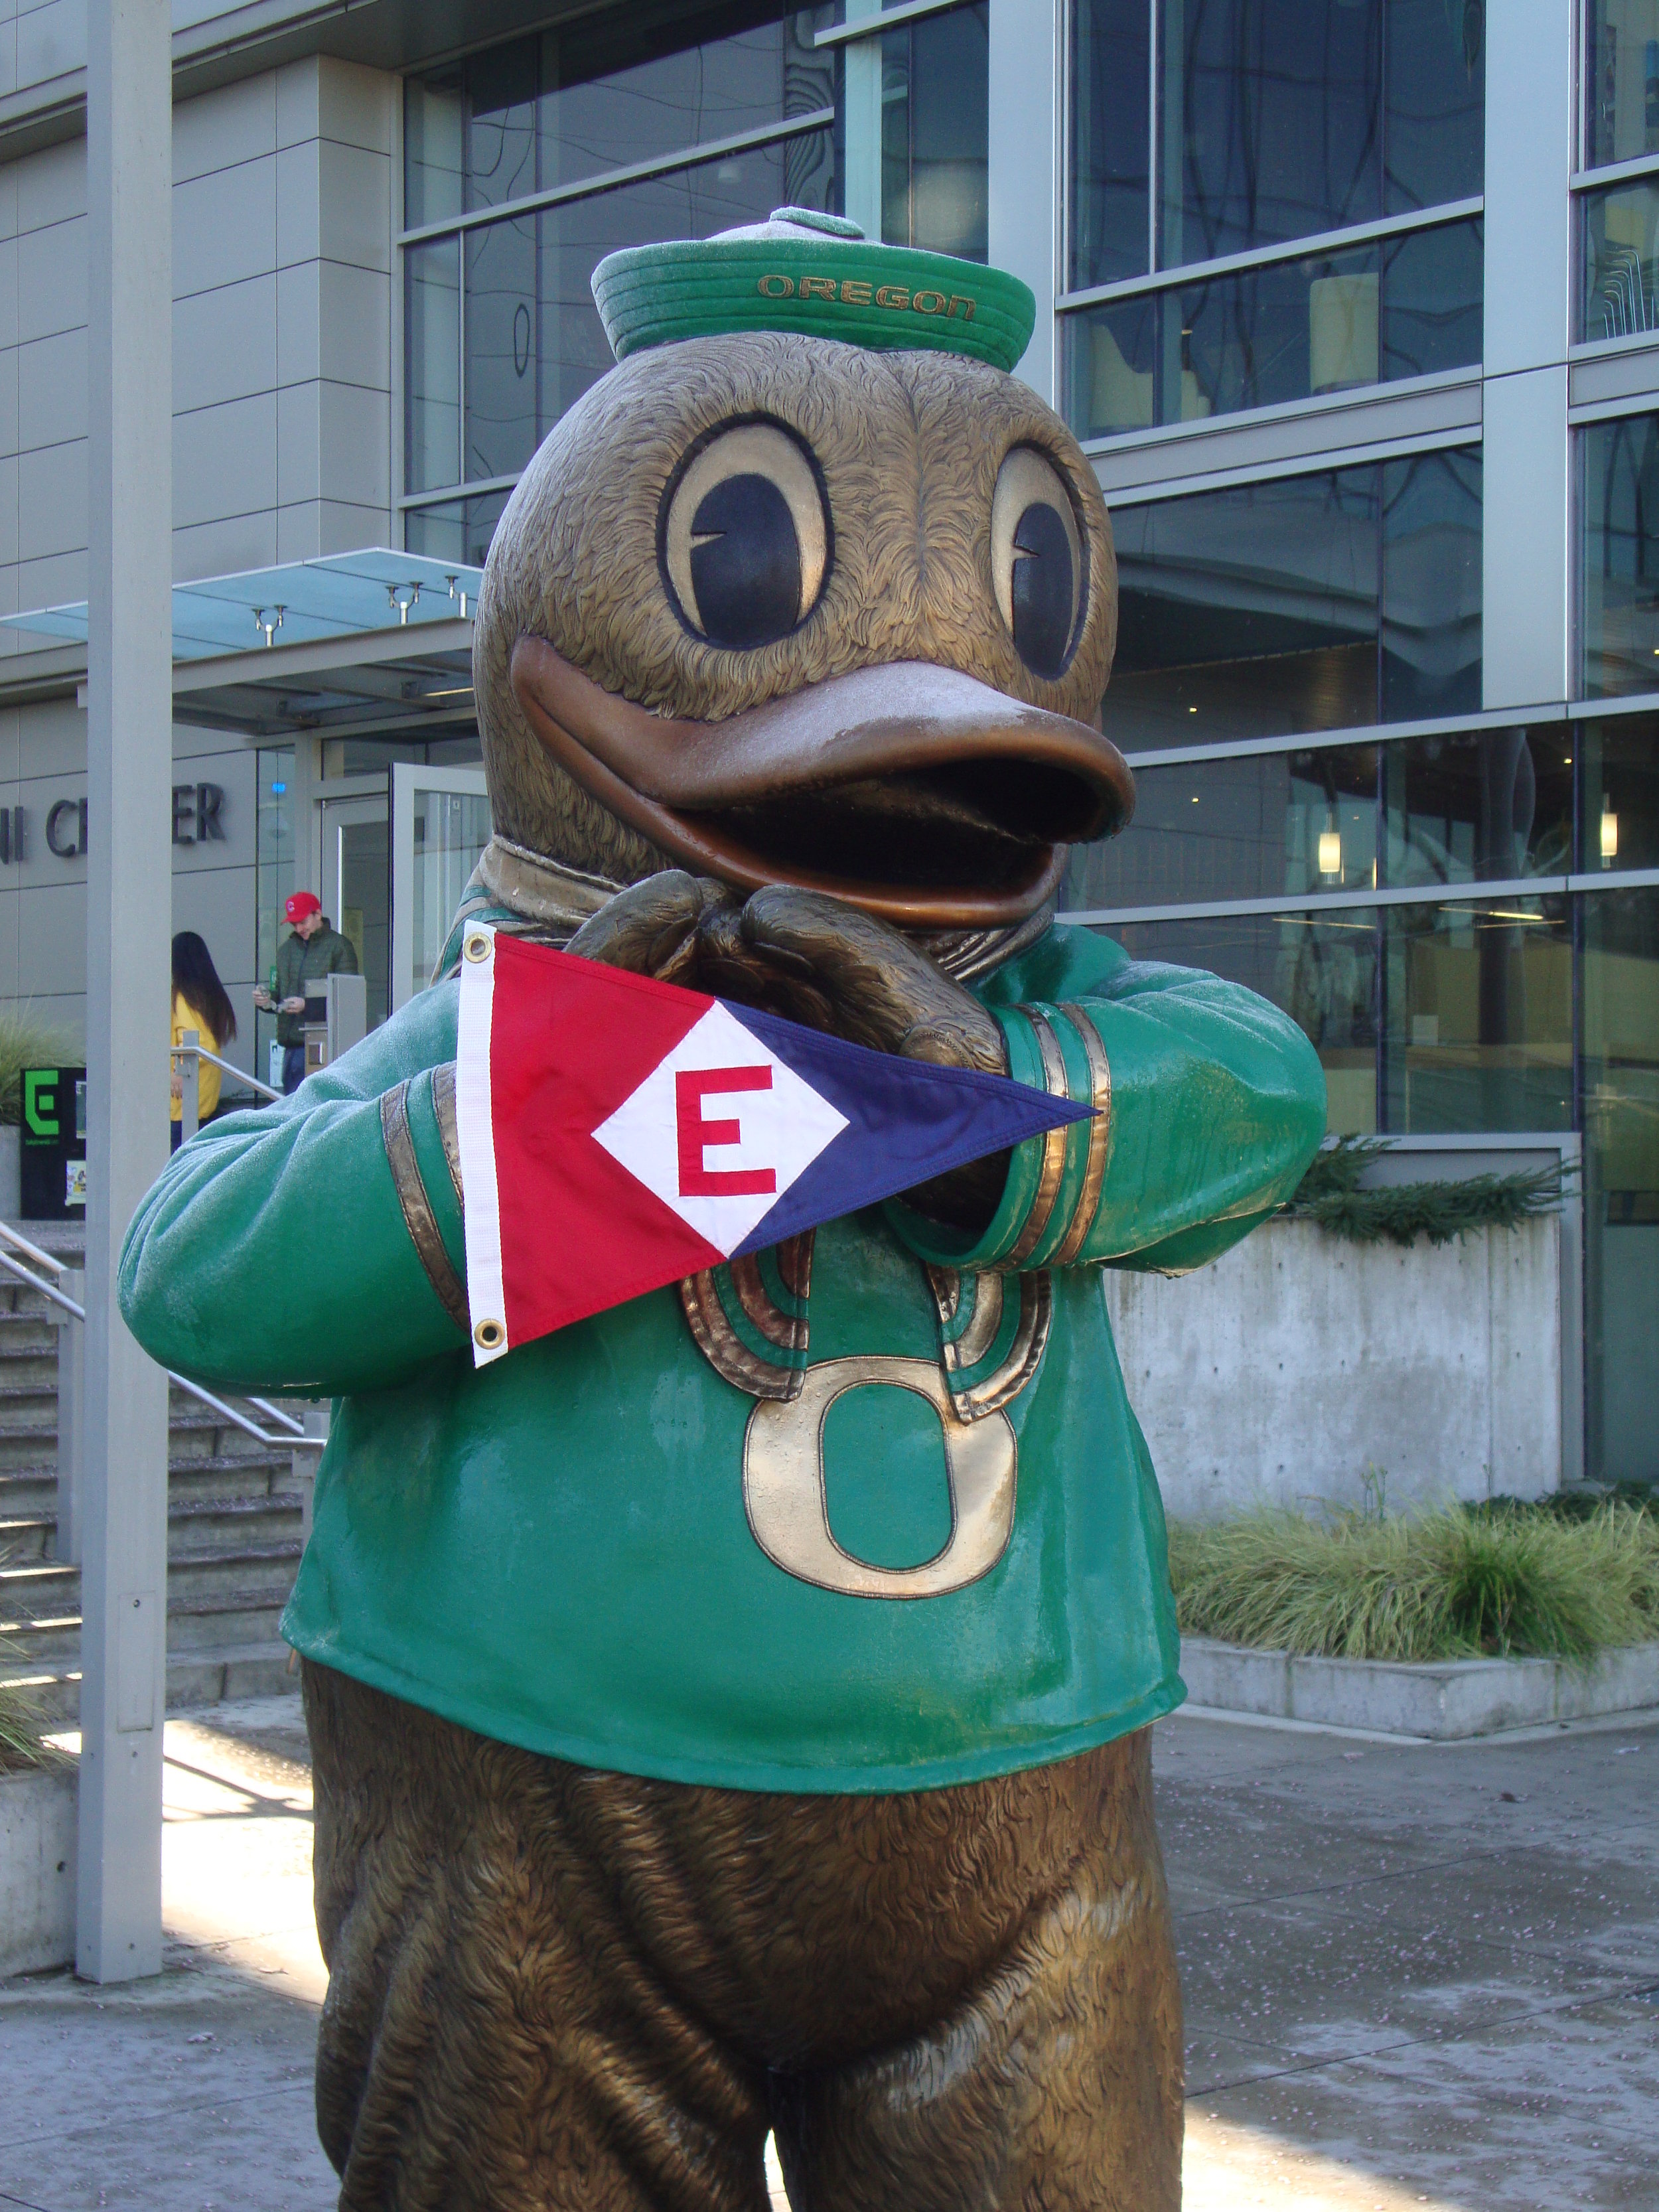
x,y
1455,1584
1330,1195
25,1042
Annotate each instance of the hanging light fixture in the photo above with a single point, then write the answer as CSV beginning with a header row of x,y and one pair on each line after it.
x,y
1609,833
1330,849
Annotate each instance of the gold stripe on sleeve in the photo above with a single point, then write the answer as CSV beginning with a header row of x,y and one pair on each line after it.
x,y
418,1218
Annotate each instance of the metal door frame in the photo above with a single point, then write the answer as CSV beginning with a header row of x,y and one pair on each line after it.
x,y
407,778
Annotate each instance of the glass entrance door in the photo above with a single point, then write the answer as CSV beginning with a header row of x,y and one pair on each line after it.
x,y
440,825
354,888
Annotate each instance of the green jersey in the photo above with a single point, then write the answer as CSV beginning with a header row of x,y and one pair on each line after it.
x,y
882,1519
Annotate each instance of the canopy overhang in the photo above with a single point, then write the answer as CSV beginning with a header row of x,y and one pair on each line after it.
x,y
349,644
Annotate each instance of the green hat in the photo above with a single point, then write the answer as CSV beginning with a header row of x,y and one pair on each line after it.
x,y
817,274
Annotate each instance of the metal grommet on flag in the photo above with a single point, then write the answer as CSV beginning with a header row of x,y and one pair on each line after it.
x,y
480,944
488,1335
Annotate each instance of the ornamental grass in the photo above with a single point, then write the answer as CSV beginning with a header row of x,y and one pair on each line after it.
x,y
26,1040
1508,1581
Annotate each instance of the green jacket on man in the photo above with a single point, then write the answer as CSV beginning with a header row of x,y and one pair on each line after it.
x,y
941,1558
302,960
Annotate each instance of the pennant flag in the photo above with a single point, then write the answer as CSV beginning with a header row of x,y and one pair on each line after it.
x,y
629,1133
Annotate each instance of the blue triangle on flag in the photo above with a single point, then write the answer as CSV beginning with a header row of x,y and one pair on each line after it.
x,y
907,1121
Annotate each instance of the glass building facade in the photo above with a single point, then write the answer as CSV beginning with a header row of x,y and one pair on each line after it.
x,y
1354,305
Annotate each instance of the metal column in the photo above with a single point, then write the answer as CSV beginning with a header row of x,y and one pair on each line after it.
x,y
128,924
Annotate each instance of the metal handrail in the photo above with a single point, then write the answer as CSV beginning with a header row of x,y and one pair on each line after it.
x,y
277,1413
46,1258
249,1428
178,1052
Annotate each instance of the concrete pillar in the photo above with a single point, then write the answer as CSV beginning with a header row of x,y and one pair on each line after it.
x,y
861,112
1026,171
129,905
1528,557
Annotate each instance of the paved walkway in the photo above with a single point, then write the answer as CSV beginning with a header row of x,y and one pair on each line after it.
x,y
1414,1976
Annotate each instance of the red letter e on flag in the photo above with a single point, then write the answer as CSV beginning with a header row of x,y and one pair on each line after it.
x,y
698,1180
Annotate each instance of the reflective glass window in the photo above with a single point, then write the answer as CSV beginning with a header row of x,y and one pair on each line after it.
x,y
1320,602
1486,805
1618,811
623,86
1271,124
1620,1072
1259,827
455,528
1621,80
1619,555
1477,1016
1247,612
1111,117
935,126
1321,968
1620,260
432,341
1434,77
1291,329
1430,611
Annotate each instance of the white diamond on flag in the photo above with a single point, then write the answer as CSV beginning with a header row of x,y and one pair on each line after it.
x,y
719,1129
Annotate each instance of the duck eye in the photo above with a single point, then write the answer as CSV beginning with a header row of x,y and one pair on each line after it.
x,y
745,538
1037,559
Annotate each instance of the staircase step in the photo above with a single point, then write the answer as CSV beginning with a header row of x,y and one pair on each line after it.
x,y
27,1536
208,1676
201,1527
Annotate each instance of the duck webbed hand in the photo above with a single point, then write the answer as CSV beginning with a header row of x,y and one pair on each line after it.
x,y
653,927
832,967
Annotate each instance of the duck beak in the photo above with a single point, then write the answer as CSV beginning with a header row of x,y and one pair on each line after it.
x,y
916,792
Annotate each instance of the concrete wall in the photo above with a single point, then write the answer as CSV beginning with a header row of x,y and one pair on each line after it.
x,y
1275,1376
282,217
43,897
283,213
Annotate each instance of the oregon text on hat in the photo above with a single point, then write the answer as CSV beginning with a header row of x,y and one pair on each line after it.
x,y
819,276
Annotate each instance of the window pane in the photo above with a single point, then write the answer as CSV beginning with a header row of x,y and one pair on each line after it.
x,y
1621,260
1493,804
1434,130
690,202
1247,612
1259,337
1621,80
1620,556
500,143
1431,586
1257,828
434,129
502,412
1270,123
935,98
626,86
432,340
635,83
1433,290
1478,1017
455,528
1622,1179
1618,817
1320,969
1110,131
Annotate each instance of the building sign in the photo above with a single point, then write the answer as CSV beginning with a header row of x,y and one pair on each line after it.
x,y
196,809
53,1143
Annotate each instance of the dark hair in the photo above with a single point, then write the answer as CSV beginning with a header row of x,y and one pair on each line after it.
x,y
196,978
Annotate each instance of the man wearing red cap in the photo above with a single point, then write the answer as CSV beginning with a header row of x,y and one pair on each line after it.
x,y
316,949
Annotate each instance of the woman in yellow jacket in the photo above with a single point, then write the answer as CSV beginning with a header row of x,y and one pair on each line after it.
x,y
199,1003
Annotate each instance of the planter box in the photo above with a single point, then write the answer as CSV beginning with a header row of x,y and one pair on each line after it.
x,y
37,1870
1278,1375
1438,1700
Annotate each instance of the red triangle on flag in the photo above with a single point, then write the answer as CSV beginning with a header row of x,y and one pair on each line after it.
x,y
566,1042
